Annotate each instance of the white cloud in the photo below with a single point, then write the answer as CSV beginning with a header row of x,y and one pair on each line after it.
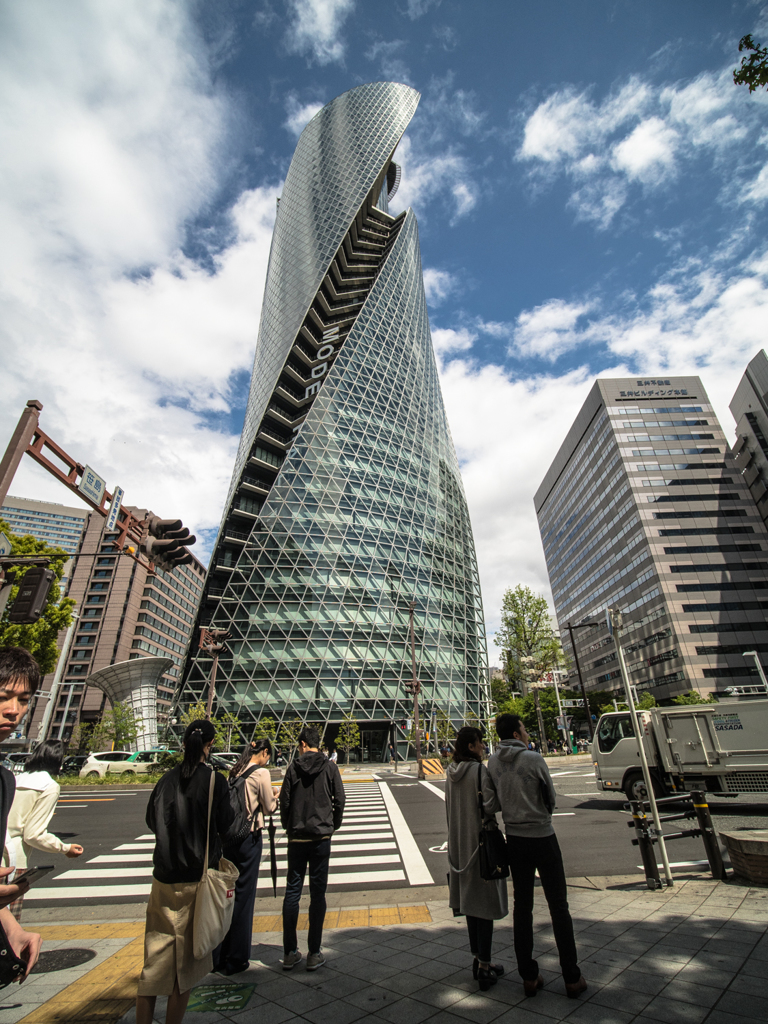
x,y
428,176
113,137
640,135
299,114
417,8
316,28
448,339
438,284
550,329
391,65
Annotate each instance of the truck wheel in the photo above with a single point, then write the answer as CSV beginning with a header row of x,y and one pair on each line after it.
x,y
634,787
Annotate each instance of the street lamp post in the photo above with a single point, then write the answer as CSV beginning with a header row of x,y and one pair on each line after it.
x,y
615,621
213,642
570,628
753,654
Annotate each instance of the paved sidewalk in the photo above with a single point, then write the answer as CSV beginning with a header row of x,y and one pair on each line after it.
x,y
695,953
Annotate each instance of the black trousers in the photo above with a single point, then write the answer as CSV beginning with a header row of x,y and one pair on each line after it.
x,y
315,856
526,856
235,950
480,938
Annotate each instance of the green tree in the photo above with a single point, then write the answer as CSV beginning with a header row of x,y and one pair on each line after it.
x,y
525,707
645,702
753,70
118,728
266,729
694,697
289,735
349,736
444,729
39,638
231,727
194,712
526,631
81,740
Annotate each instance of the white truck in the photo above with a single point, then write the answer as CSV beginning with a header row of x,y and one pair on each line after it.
x,y
720,748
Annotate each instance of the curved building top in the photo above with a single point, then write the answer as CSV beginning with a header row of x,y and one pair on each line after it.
x,y
340,155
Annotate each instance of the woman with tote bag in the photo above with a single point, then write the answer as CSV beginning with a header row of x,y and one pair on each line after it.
x,y
482,902
190,813
233,955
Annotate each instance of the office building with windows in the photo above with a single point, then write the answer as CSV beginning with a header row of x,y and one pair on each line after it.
x,y
124,612
346,503
644,509
749,407
58,525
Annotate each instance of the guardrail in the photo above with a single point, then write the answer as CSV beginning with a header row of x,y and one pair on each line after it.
x,y
646,834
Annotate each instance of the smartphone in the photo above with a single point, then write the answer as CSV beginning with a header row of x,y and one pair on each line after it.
x,y
32,875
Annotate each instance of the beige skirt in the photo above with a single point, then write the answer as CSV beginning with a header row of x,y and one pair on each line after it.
x,y
168,941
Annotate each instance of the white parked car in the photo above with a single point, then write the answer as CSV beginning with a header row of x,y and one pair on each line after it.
x,y
143,761
98,765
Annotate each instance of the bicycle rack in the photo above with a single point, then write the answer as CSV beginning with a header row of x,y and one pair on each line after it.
x,y
646,834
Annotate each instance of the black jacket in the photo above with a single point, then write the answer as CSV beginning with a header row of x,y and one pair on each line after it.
x,y
177,813
312,798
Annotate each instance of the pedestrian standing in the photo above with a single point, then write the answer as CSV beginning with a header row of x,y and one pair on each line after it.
x,y
334,755
177,814
311,809
37,794
19,679
233,955
525,791
481,902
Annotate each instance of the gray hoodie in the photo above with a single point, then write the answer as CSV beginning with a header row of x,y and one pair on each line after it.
x,y
521,778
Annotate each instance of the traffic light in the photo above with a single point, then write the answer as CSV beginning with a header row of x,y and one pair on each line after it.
x,y
164,542
32,596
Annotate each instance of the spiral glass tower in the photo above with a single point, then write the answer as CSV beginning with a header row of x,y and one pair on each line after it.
x,y
346,503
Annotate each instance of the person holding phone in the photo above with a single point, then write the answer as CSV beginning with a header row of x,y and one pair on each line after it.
x,y
37,794
19,679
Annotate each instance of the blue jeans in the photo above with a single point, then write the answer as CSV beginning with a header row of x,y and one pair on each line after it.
x,y
235,950
315,856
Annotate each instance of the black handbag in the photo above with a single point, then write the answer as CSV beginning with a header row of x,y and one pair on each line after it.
x,y
492,848
12,967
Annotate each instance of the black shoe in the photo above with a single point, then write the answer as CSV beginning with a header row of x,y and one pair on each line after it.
x,y
497,969
486,978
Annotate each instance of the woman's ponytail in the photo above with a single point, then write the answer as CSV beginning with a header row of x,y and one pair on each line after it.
x,y
198,735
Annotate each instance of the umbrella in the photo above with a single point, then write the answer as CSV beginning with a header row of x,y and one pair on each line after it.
x,y
272,854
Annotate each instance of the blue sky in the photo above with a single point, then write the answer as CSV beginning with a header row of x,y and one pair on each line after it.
x,y
590,188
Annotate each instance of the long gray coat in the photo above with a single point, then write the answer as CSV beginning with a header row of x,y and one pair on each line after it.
x,y
468,892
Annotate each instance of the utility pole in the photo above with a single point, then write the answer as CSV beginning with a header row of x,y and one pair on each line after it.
x,y
570,628
615,622
21,437
213,642
415,688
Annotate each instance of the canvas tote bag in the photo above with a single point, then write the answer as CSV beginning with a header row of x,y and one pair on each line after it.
x,y
215,902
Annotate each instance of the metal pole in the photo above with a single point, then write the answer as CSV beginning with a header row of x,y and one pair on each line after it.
x,y
415,688
212,686
20,438
615,622
42,729
540,718
753,654
563,727
709,835
645,845
581,683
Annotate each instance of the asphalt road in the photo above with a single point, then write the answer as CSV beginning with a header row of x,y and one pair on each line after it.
x,y
591,826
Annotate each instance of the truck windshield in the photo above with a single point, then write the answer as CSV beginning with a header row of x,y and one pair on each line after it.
x,y
612,730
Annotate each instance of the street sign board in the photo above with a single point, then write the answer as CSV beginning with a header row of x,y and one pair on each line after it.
x,y
573,703
5,546
92,486
117,496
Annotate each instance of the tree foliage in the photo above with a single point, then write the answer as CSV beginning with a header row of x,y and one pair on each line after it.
x,y
526,631
39,638
117,730
266,729
289,735
753,70
348,736
194,712
694,697
645,702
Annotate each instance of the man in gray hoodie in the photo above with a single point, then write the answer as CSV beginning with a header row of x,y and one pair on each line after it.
x,y
524,788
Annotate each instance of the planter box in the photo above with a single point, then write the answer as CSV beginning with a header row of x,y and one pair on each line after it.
x,y
748,851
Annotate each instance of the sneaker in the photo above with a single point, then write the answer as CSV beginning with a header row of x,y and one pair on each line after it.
x,y
291,959
314,960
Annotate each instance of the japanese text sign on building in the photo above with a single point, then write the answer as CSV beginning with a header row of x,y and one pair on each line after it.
x,y
92,486
117,496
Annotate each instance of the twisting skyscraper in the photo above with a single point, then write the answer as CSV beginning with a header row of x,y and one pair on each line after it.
x,y
346,502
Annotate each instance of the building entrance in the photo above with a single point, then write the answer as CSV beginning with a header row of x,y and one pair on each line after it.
x,y
374,745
